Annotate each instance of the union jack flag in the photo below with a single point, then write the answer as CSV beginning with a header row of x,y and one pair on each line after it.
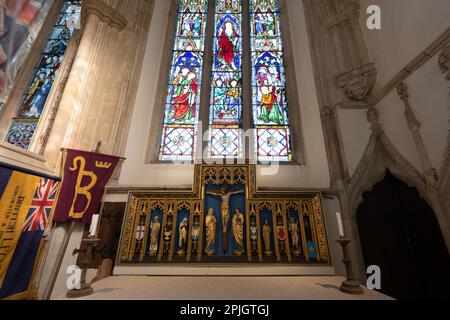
x,y
41,206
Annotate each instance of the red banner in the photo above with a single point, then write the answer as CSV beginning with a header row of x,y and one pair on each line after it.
x,y
85,177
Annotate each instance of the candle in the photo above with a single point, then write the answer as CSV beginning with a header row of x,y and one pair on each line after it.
x,y
94,224
340,225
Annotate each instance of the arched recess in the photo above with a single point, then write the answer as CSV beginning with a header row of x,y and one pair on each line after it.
x,y
381,156
400,234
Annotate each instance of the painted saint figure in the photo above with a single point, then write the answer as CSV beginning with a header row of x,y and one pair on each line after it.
x,y
182,236
254,234
295,236
267,231
184,96
238,232
270,105
227,49
168,234
154,236
211,225
226,100
195,233
270,96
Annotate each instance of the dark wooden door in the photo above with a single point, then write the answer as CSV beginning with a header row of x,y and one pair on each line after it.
x,y
399,233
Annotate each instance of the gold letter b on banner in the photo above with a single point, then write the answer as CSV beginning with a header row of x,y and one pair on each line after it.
x,y
79,190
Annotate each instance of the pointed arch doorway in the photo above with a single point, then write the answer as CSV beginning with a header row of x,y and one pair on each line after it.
x,y
399,232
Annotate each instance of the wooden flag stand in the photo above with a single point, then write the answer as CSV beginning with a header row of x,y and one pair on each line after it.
x,y
84,288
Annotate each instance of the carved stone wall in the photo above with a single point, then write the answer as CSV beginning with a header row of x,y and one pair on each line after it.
x,y
345,79
96,102
99,95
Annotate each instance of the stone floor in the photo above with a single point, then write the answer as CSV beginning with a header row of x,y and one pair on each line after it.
x,y
224,288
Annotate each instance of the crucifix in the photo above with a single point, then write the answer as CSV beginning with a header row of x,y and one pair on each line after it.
x,y
225,196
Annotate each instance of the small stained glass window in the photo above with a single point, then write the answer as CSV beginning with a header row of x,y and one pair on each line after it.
x,y
23,127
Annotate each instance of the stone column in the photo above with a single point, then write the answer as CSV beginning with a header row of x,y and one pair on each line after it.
x,y
414,125
100,22
444,172
96,104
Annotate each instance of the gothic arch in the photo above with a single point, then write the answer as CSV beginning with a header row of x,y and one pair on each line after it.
x,y
380,155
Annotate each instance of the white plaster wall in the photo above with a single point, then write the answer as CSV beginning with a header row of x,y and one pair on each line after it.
x,y
136,172
395,126
355,133
431,103
50,262
408,27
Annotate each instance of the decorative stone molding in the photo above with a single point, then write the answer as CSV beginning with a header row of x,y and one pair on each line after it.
x,y
444,61
355,72
414,126
373,117
381,155
358,83
444,172
338,171
411,67
403,93
343,12
105,13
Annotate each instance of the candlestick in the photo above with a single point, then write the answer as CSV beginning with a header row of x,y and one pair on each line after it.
x,y
340,225
351,285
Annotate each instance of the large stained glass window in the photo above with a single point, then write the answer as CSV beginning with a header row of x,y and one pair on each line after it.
x,y
226,81
268,83
227,108
32,104
183,97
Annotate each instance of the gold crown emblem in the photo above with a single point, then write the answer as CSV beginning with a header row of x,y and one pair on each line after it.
x,y
103,165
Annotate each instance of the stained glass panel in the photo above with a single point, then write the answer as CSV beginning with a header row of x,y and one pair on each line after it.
x,y
187,6
270,113
225,142
33,101
178,143
226,81
183,93
21,132
273,144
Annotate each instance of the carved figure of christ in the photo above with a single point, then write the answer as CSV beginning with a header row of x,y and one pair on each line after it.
x,y
225,195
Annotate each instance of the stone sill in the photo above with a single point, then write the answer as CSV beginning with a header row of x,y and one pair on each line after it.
x,y
18,157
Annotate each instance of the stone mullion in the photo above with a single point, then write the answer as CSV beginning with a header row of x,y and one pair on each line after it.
x,y
247,108
414,126
203,127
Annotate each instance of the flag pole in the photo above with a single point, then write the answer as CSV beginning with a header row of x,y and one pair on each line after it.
x,y
66,238
45,245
